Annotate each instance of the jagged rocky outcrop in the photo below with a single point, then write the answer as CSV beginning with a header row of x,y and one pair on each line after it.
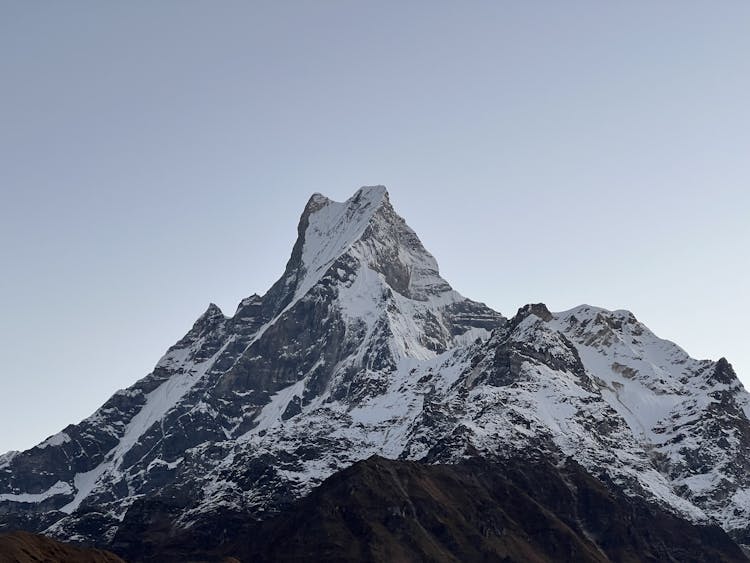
x,y
361,349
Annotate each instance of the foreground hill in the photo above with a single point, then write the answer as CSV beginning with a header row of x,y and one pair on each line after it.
x,y
23,547
382,510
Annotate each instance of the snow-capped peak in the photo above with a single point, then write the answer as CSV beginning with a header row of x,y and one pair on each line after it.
x,y
332,228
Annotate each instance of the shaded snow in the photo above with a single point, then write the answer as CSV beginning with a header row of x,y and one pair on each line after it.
x,y
270,415
59,488
7,457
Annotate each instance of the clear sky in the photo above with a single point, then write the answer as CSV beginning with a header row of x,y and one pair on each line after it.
x,y
155,157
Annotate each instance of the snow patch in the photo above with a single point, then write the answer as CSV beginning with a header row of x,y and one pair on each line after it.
x,y
7,458
57,440
59,488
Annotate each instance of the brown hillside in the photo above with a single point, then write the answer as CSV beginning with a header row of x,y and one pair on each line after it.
x,y
23,547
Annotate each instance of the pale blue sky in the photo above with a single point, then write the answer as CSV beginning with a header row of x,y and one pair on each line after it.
x,y
156,157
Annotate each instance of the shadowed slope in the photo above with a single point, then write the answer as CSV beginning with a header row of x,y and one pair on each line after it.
x,y
518,510
382,510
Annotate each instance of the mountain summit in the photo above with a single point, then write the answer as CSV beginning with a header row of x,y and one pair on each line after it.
x,y
361,348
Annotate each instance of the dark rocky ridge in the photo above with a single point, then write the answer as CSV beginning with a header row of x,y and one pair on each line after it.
x,y
519,510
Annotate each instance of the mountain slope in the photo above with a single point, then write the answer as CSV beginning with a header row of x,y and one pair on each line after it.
x,y
362,349
601,388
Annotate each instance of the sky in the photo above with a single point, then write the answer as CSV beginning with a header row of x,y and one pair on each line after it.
x,y
156,156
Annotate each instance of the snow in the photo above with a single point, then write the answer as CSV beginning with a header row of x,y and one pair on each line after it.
x,y
552,404
663,395
270,415
737,512
59,488
6,458
391,407
57,440
471,335
641,373
160,401
331,231
699,483
161,463
362,300
84,484
377,425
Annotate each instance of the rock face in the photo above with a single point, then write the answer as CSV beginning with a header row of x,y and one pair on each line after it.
x,y
362,349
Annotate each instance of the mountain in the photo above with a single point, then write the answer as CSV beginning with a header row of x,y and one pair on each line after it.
x,y
362,349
